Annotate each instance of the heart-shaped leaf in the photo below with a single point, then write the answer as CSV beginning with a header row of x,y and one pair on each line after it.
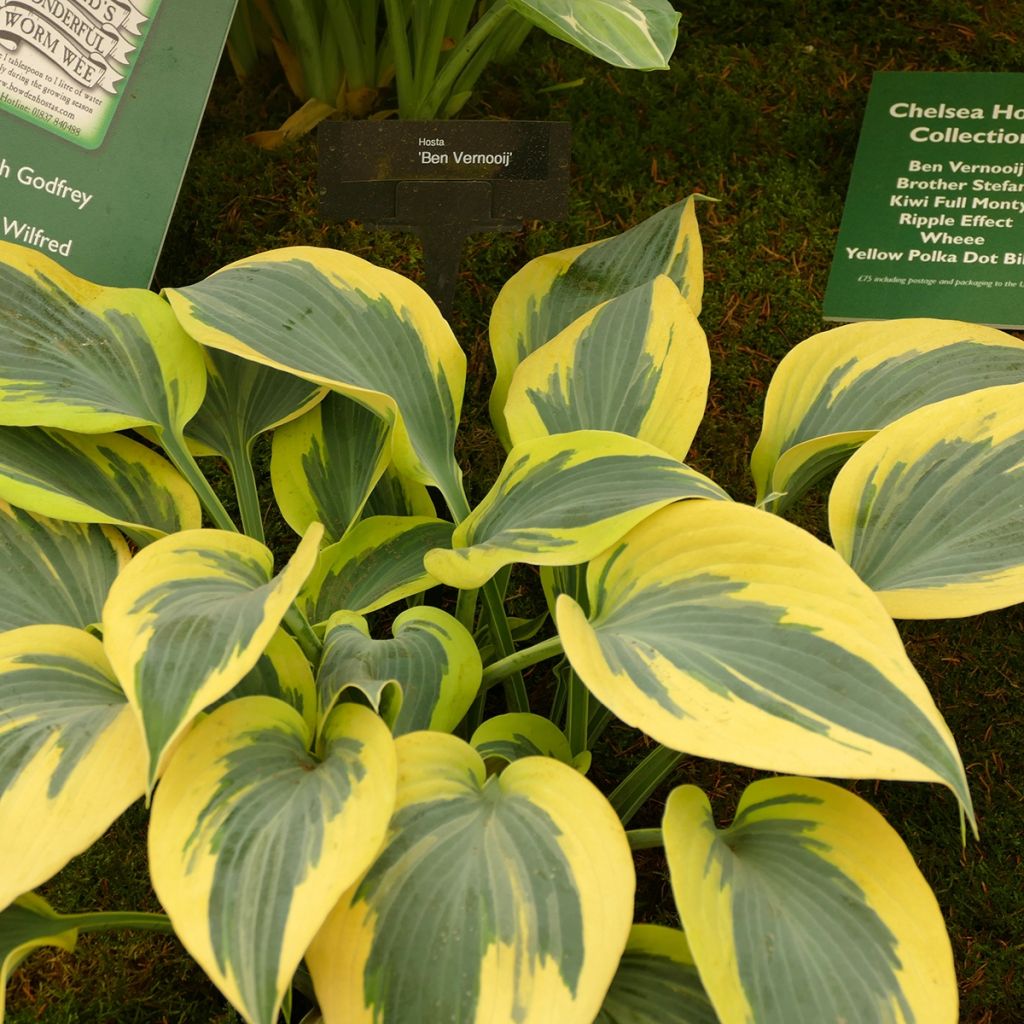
x,y
520,885
246,809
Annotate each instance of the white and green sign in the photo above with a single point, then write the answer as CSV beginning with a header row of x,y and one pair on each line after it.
x,y
100,101
934,217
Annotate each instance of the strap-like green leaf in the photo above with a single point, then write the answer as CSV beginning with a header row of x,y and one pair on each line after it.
x,y
637,364
930,512
78,356
432,660
493,900
380,561
253,838
639,34
657,982
71,755
188,618
552,291
807,909
95,478
726,632
326,463
339,321
30,922
560,500
55,572
836,389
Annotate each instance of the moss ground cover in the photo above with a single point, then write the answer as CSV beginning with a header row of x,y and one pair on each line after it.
x,y
761,111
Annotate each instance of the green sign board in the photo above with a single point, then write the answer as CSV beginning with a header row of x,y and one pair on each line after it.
x,y
100,101
934,218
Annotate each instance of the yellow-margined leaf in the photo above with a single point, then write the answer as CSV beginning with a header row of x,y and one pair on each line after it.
x,y
726,632
188,617
253,838
78,356
520,734
836,389
637,364
560,500
380,561
95,478
657,982
55,572
282,671
71,755
244,399
930,512
552,291
326,463
807,909
397,495
339,321
432,659
494,899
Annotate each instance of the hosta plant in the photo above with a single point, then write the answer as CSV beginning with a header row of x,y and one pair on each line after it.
x,y
338,55
354,788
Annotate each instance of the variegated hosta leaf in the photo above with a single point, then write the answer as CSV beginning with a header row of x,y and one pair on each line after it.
x,y
380,561
560,500
71,755
244,399
637,364
726,632
55,572
807,909
930,512
282,672
519,734
78,356
552,291
495,899
397,495
657,982
188,618
339,321
95,478
432,659
639,34
253,838
836,389
27,924
326,463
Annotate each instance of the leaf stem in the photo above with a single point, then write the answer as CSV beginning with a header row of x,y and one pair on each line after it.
x,y
514,684
645,838
577,713
499,670
404,80
108,920
298,625
459,57
248,497
177,451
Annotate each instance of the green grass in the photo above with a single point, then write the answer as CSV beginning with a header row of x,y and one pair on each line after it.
x,y
761,110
